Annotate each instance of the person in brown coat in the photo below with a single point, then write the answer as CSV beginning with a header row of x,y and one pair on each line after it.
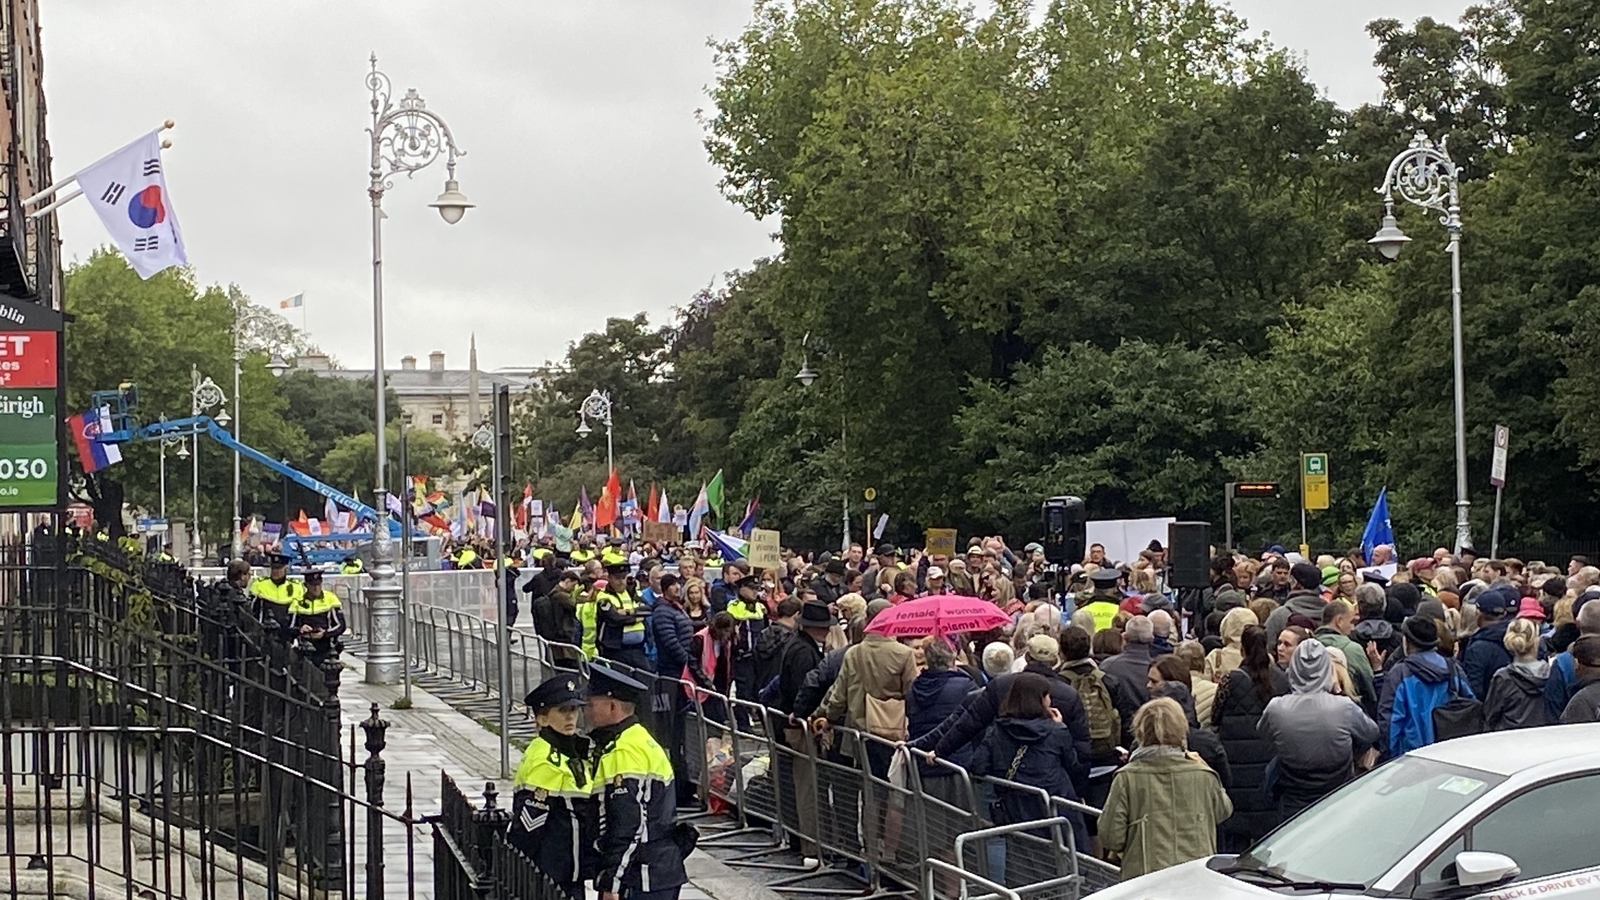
x,y
870,693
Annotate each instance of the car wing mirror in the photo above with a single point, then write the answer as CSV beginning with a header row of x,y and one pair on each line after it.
x,y
1475,868
1472,871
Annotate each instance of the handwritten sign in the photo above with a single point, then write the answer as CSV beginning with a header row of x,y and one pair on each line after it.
x,y
662,532
941,541
765,550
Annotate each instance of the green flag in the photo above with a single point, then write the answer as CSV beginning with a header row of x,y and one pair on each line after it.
x,y
714,494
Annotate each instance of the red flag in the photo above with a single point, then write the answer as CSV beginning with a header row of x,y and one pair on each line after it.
x,y
519,516
605,511
652,509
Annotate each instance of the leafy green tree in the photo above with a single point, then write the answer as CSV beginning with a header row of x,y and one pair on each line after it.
x,y
151,333
1139,430
351,463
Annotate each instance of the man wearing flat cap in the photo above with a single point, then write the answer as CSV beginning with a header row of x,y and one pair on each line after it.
x,y
641,848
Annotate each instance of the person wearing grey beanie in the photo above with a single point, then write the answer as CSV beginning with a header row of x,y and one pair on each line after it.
x,y
1316,735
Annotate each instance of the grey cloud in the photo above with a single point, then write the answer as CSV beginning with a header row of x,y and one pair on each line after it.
x,y
595,196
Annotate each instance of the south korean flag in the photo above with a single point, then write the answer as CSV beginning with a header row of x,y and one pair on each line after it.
x,y
128,189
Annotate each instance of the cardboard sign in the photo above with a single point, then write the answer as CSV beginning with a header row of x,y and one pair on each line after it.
x,y
941,541
662,532
765,549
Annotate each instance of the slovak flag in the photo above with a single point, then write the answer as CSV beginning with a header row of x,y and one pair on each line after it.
x,y
86,427
128,190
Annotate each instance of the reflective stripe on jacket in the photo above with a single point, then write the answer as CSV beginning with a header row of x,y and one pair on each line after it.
x,y
633,779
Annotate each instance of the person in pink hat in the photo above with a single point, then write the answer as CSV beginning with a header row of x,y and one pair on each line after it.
x,y
1530,609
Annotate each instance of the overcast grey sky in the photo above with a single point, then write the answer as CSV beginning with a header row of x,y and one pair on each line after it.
x,y
595,197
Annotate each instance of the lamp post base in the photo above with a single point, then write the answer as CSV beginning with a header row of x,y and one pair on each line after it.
x,y
384,662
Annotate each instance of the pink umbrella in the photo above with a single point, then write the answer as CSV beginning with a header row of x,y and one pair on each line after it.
x,y
938,614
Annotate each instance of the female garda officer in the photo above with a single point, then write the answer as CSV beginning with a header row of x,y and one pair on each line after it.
x,y
555,817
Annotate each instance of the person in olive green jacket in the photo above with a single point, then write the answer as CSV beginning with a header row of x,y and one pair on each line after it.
x,y
1165,804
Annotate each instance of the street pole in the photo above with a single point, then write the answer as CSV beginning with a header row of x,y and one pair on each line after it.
x,y
196,553
238,415
1424,174
844,543
502,432
1494,537
163,445
1463,527
1227,516
405,564
405,137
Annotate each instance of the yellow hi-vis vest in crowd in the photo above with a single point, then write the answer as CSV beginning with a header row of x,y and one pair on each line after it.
x,y
1104,610
586,624
620,636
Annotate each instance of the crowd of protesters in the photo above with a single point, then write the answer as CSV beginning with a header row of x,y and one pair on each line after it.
x,y
1196,719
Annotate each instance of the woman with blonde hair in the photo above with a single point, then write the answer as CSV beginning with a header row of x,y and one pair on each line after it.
x,y
1226,658
1165,804
1515,698
695,603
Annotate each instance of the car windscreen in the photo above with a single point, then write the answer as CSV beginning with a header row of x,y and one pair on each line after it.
x,y
1360,831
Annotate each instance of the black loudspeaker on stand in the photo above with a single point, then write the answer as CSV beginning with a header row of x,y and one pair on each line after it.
x,y
1189,554
1065,529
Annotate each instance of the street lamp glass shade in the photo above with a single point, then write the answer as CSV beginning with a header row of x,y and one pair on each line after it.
x,y
584,429
1389,238
223,418
452,204
277,365
183,451
806,375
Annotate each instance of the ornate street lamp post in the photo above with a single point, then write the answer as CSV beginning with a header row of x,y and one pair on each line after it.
x,y
1424,174
405,138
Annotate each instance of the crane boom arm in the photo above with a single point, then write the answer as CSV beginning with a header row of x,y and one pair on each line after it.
x,y
206,425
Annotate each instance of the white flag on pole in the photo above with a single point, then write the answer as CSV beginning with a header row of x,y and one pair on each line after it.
x,y
128,190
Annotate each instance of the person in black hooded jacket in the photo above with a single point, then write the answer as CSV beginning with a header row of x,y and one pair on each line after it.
x,y
971,722
1241,699
1029,745
1515,698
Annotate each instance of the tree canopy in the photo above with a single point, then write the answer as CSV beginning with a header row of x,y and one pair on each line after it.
x,y
1121,252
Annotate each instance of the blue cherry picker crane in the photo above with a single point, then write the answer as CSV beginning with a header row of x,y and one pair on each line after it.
x,y
125,428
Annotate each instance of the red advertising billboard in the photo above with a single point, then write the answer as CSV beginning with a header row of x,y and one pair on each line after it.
x,y
27,359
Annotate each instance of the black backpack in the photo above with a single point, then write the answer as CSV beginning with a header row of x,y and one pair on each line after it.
x,y
1458,716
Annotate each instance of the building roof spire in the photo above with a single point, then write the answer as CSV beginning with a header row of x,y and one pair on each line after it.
x,y
474,410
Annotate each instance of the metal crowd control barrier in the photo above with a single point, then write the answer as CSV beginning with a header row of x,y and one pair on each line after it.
x,y
838,796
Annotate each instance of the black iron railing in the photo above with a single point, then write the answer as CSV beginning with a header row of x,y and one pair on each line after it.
x,y
153,738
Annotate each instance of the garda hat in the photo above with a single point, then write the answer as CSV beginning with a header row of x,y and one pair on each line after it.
x,y
604,682
278,560
1105,577
555,692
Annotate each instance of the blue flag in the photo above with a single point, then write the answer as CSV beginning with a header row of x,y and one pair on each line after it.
x,y
1378,530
